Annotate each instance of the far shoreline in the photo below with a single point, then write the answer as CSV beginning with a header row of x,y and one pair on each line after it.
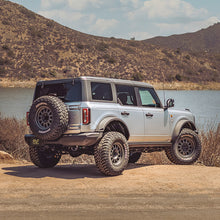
x,y
176,85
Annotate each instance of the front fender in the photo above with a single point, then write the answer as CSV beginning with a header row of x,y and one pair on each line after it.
x,y
180,125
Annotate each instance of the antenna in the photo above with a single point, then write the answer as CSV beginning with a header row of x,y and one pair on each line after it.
x,y
163,89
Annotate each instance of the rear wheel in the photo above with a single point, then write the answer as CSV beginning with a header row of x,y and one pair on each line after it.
x,y
134,157
44,156
186,149
112,154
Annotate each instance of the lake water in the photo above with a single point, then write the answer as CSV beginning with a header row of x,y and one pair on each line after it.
x,y
205,105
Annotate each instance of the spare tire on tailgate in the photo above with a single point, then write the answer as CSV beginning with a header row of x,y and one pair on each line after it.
x,y
48,117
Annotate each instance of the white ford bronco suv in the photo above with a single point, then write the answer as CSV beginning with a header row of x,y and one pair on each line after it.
x,y
114,120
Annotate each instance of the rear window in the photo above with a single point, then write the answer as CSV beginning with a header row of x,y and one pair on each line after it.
x,y
67,92
101,91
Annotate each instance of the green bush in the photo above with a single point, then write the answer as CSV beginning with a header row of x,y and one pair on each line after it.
x,y
5,47
80,46
35,32
137,76
27,66
2,71
102,46
187,57
5,22
27,13
178,77
11,53
109,58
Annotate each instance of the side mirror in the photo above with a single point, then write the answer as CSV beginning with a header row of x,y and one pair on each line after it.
x,y
169,103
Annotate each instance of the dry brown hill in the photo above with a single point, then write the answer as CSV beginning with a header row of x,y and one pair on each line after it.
x,y
206,40
32,46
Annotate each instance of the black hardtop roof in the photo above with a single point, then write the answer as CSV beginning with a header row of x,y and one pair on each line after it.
x,y
97,79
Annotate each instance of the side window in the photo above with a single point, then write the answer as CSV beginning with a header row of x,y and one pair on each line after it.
x,y
126,95
149,97
101,91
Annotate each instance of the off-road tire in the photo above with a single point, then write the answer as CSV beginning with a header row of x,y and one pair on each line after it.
x,y
186,149
44,157
112,154
48,117
134,157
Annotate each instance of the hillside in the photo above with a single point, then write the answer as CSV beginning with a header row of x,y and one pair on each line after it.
x,y
206,40
33,47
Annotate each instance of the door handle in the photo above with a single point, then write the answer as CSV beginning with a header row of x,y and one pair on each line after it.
x,y
149,115
125,113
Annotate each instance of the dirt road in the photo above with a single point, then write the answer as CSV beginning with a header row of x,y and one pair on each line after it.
x,y
81,192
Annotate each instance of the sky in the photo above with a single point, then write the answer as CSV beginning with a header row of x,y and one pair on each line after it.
x,y
139,19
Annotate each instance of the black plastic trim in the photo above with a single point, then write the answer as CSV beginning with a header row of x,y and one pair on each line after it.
x,y
81,139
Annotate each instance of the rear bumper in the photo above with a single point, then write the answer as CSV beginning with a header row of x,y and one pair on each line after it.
x,y
81,139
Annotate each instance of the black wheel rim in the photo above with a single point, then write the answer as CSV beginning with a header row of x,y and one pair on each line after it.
x,y
186,146
117,153
44,118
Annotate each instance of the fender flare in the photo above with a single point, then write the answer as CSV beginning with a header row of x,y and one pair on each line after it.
x,y
106,121
180,125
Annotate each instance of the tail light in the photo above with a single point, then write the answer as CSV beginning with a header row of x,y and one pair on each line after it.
x,y
86,116
27,120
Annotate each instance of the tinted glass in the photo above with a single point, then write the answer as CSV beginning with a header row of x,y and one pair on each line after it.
x,y
126,95
101,91
67,92
149,97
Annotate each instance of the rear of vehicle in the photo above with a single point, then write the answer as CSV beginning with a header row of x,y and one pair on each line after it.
x,y
60,111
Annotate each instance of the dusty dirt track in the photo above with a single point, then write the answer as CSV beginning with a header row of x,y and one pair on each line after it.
x,y
81,192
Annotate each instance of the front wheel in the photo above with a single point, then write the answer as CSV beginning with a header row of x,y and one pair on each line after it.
x,y
44,156
112,154
186,149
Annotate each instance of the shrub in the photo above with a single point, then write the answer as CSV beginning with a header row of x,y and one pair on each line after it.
x,y
132,43
50,24
53,74
5,47
137,76
109,58
26,66
11,53
4,61
178,51
35,33
167,53
178,77
102,46
211,147
187,57
2,71
80,46
12,137
27,13
5,22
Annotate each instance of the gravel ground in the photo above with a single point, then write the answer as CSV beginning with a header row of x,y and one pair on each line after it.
x,y
81,192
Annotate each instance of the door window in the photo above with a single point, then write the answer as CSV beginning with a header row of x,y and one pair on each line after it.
x,y
149,98
126,95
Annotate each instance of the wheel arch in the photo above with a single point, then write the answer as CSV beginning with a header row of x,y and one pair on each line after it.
x,y
180,126
113,124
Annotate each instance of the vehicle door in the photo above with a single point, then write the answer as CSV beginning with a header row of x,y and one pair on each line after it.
x,y
156,119
129,112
